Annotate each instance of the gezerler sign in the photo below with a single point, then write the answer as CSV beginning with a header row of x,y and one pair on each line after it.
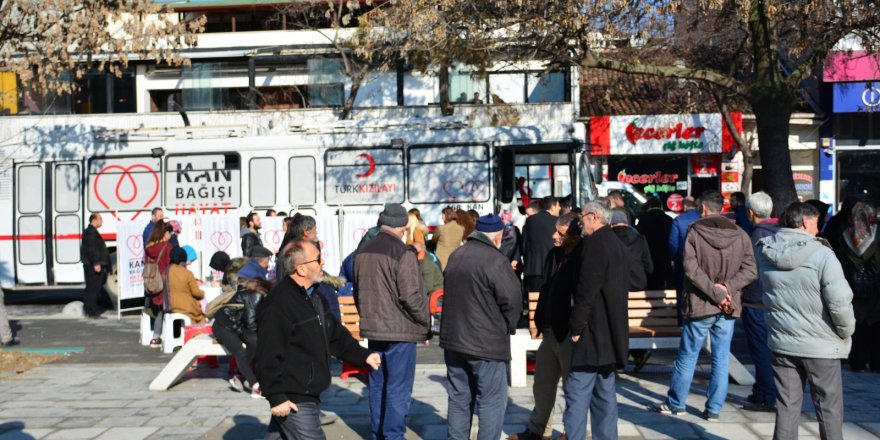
x,y
661,134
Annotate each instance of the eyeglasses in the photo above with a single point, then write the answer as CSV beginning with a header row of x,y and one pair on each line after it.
x,y
312,261
584,215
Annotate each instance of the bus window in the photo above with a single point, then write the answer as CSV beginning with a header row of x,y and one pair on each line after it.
x,y
193,181
30,189
67,251
67,188
363,176
303,187
449,174
262,181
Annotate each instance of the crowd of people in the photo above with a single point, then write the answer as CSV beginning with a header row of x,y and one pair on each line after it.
x,y
807,290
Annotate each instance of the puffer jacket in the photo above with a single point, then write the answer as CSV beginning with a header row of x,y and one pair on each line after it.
x,y
808,301
389,293
716,251
754,292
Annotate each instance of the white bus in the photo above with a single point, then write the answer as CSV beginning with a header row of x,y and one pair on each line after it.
x,y
47,192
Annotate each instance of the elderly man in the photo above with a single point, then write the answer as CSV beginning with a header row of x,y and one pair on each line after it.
x,y
562,267
96,263
718,263
294,348
763,397
810,318
393,307
599,328
481,307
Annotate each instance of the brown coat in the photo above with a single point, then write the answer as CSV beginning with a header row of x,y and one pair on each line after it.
x,y
185,293
716,251
447,238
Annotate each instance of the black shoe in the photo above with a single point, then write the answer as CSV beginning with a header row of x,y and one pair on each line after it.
x,y
10,343
640,360
526,435
759,407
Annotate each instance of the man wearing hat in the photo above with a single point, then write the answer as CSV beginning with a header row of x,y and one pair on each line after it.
x,y
393,307
481,306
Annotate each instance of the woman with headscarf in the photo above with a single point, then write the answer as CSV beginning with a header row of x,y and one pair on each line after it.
x,y
859,255
183,290
158,248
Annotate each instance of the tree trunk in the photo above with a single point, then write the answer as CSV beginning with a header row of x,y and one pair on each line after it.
x,y
445,104
773,107
349,103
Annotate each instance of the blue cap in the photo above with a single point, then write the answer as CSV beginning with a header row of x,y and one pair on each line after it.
x,y
190,253
490,223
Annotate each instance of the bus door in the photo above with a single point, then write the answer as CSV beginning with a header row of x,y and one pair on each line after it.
x,y
48,222
535,171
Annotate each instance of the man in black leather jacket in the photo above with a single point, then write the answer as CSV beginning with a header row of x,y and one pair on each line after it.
x,y
250,236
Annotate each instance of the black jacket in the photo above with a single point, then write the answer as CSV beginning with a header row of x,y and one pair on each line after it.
x,y
537,242
640,263
481,300
599,314
558,291
242,308
248,241
389,291
654,224
93,250
297,335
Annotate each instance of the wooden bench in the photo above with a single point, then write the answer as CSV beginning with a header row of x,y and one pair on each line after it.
x,y
352,321
653,325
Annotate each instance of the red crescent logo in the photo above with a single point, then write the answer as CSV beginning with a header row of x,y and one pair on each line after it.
x,y
372,162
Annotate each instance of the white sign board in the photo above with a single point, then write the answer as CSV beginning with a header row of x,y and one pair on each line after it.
x,y
368,176
124,185
202,181
328,236
130,258
666,134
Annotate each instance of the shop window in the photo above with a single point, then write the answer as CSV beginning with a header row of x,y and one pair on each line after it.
x,y
857,175
465,85
303,180
262,181
546,87
508,87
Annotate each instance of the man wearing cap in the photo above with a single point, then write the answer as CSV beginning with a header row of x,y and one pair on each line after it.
x,y
481,306
393,308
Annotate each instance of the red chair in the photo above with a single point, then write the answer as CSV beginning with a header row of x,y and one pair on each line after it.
x,y
190,332
435,302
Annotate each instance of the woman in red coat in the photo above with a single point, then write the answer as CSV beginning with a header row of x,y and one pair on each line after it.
x,y
158,249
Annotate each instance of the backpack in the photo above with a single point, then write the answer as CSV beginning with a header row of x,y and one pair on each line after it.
x,y
154,282
221,301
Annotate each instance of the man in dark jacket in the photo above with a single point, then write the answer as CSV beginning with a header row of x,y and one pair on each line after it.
x,y
640,266
96,263
393,307
599,328
250,236
537,243
655,225
481,307
719,262
155,215
297,337
763,397
677,234
553,359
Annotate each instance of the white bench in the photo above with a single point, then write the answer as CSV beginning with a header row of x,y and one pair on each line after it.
x,y
201,345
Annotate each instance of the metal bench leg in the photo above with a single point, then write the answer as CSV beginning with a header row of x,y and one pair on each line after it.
x,y
738,373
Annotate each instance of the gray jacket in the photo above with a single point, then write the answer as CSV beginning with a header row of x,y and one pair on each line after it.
x,y
808,301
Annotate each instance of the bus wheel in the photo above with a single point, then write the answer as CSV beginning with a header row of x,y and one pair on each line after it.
x,y
112,286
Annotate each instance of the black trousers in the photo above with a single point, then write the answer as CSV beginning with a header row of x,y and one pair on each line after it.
x,y
865,347
233,342
94,284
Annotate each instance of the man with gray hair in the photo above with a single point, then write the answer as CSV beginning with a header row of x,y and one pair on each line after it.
x,y
599,328
481,307
763,397
393,308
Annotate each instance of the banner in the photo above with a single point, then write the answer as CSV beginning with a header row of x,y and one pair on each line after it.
x,y
218,234
661,134
328,236
130,258
354,226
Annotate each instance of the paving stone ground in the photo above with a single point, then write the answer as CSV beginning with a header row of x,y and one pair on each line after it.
x,y
103,394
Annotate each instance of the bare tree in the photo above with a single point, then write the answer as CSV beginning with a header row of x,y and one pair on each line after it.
x,y
48,42
760,51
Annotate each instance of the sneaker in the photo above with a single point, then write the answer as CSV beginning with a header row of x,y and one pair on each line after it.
x,y
255,392
327,418
156,343
235,384
527,435
664,408
710,416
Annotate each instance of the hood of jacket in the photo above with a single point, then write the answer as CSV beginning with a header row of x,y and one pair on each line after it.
x,y
258,285
716,230
627,234
789,248
253,271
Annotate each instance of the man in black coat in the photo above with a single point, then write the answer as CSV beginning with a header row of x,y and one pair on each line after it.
x,y
654,224
96,263
599,328
481,307
537,242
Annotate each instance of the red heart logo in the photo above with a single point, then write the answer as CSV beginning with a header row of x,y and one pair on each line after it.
x,y
135,245
459,191
359,234
273,239
221,240
126,176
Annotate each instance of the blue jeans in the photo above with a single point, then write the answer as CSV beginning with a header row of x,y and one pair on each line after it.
x,y
304,424
755,326
391,388
693,335
591,391
475,383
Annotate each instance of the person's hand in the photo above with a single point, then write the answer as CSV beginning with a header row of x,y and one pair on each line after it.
x,y
374,361
726,301
513,264
575,338
723,288
97,268
284,409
